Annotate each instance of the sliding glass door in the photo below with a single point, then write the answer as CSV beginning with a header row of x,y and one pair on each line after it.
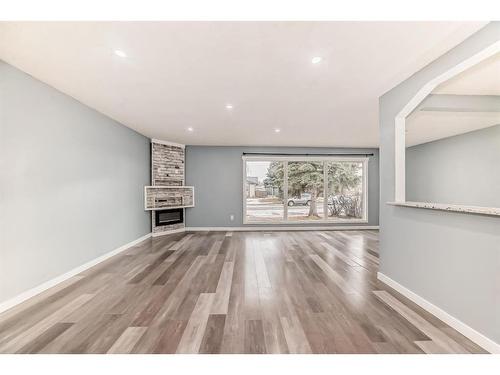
x,y
304,189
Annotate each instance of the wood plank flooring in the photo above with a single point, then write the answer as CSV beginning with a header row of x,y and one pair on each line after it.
x,y
231,292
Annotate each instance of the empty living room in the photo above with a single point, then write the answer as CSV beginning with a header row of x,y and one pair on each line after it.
x,y
245,186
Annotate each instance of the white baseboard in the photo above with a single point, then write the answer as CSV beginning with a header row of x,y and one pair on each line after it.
x,y
265,229
59,279
453,322
279,228
158,234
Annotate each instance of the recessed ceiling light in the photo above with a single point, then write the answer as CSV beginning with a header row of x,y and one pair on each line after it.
x,y
316,60
277,130
119,52
229,106
190,129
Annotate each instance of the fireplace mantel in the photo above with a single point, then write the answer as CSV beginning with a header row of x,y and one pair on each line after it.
x,y
167,197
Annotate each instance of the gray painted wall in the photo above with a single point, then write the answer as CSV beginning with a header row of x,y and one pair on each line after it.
x,y
71,183
450,259
463,169
217,176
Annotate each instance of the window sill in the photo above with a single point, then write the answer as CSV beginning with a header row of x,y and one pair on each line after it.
x,y
490,211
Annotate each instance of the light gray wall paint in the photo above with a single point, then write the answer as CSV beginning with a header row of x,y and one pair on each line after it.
x,y
217,176
462,169
71,183
450,259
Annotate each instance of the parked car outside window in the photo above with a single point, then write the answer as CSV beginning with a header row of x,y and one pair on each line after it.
x,y
303,200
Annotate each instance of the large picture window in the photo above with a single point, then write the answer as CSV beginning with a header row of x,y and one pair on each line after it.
x,y
264,186
304,189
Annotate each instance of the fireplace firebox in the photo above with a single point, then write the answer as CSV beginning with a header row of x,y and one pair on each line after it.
x,y
169,217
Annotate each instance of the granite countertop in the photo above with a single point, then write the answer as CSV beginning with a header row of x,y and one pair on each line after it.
x,y
492,211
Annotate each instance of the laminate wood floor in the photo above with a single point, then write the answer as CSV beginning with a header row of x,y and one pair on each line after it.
x,y
231,292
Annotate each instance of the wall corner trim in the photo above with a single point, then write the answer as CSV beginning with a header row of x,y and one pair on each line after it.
x,y
469,332
8,304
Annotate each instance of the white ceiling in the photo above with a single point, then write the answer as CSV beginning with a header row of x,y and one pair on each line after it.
x,y
428,126
482,79
182,74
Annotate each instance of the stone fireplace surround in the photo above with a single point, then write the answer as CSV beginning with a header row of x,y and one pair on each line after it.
x,y
167,169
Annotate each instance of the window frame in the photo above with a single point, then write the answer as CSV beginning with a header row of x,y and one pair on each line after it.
x,y
285,159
